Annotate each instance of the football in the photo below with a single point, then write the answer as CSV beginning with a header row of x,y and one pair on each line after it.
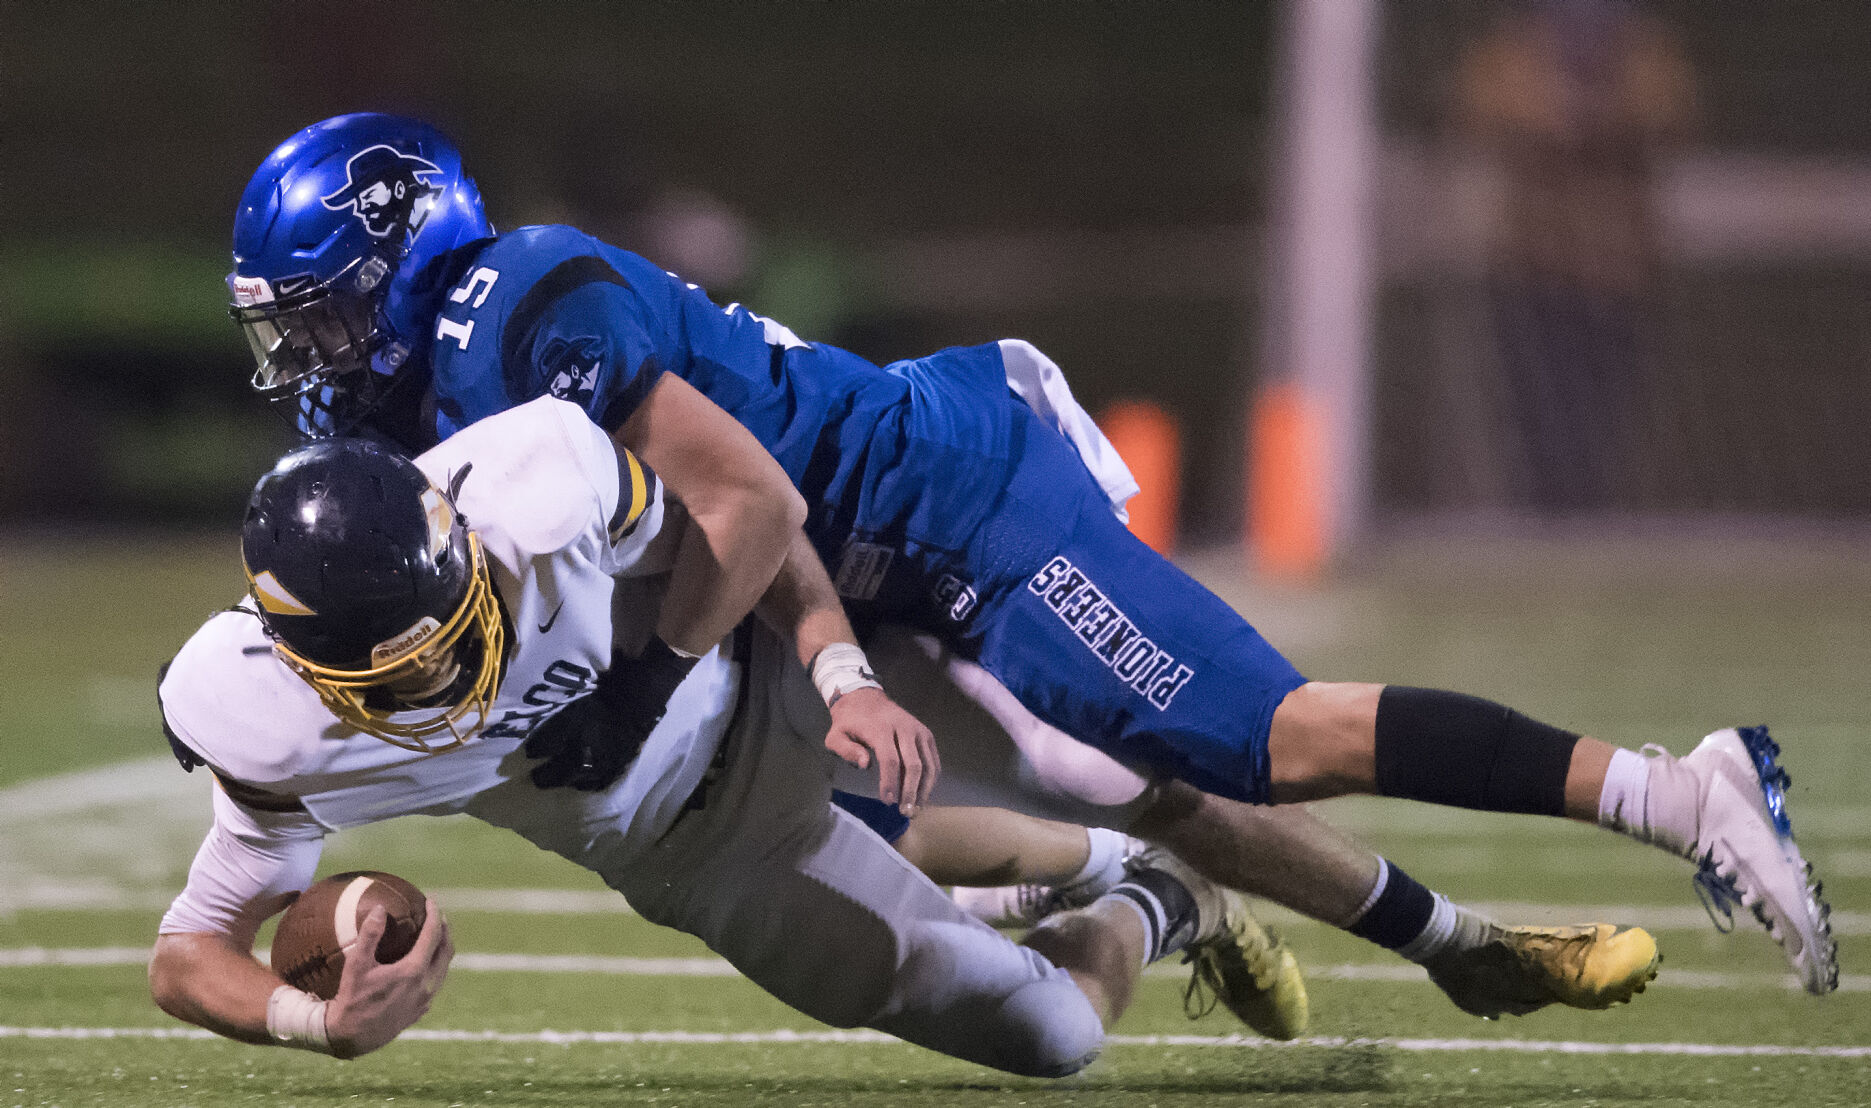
x,y
321,926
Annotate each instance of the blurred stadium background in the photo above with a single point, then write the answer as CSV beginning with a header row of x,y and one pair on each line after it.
x,y
1586,430
1618,253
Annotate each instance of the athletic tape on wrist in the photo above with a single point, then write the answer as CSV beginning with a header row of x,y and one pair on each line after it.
x,y
296,1018
839,669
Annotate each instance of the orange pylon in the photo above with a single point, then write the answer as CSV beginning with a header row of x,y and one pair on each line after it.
x,y
1285,497
1147,439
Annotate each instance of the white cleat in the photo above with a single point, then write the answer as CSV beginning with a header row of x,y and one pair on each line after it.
x,y
1745,850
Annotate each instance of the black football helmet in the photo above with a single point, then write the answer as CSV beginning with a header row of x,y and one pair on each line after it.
x,y
375,591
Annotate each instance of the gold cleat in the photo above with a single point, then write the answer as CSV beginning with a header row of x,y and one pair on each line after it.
x,y
1523,969
1251,972
1235,961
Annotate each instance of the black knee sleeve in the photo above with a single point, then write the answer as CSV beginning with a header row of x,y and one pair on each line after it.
x,y
1449,748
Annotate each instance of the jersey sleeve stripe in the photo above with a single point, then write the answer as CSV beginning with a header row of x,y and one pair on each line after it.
x,y
517,332
636,485
626,402
256,798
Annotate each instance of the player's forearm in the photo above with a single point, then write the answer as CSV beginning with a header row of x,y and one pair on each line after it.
x,y
803,604
993,846
727,560
743,510
209,981
867,727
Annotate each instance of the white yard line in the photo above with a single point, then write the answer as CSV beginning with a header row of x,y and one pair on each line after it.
x,y
103,895
61,848
1814,824
1686,917
140,782
46,893
624,966
874,1038
158,779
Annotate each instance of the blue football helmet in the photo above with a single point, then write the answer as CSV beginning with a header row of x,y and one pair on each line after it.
x,y
337,249
375,591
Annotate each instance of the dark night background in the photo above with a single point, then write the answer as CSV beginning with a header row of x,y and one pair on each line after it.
x,y
1089,176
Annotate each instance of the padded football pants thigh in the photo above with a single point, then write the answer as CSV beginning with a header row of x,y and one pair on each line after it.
x,y
1105,639
816,909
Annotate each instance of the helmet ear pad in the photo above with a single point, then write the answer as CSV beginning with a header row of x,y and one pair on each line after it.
x,y
368,581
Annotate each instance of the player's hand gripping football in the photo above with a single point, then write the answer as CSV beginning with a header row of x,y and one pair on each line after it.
x,y
377,1001
867,724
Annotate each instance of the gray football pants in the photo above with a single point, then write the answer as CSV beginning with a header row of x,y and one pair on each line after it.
x,y
813,907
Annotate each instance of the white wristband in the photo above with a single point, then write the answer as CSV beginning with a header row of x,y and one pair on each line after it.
x,y
296,1018
839,669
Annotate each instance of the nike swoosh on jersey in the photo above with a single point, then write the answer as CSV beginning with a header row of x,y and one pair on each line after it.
x,y
552,619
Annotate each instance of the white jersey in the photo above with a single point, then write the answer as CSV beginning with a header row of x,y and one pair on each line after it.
x,y
794,892
561,514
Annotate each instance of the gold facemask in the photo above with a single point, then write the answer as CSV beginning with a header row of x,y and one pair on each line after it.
x,y
345,691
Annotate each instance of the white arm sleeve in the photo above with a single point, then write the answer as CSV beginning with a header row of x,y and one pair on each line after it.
x,y
248,858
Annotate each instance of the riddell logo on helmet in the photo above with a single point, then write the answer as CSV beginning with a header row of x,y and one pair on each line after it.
x,y
249,291
388,191
391,649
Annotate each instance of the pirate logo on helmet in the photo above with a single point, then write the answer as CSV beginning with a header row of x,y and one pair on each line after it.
x,y
386,190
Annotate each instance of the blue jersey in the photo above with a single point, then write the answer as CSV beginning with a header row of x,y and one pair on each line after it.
x,y
551,310
935,496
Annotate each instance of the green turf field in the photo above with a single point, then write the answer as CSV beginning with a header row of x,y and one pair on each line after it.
x,y
560,997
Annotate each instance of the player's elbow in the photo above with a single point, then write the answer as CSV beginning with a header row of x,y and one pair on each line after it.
x,y
795,509
766,493
168,979
760,515
180,968
784,508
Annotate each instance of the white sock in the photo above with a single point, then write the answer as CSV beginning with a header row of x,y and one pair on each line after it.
x,y
1653,800
1627,786
1166,907
1451,927
1104,862
1448,926
1435,934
